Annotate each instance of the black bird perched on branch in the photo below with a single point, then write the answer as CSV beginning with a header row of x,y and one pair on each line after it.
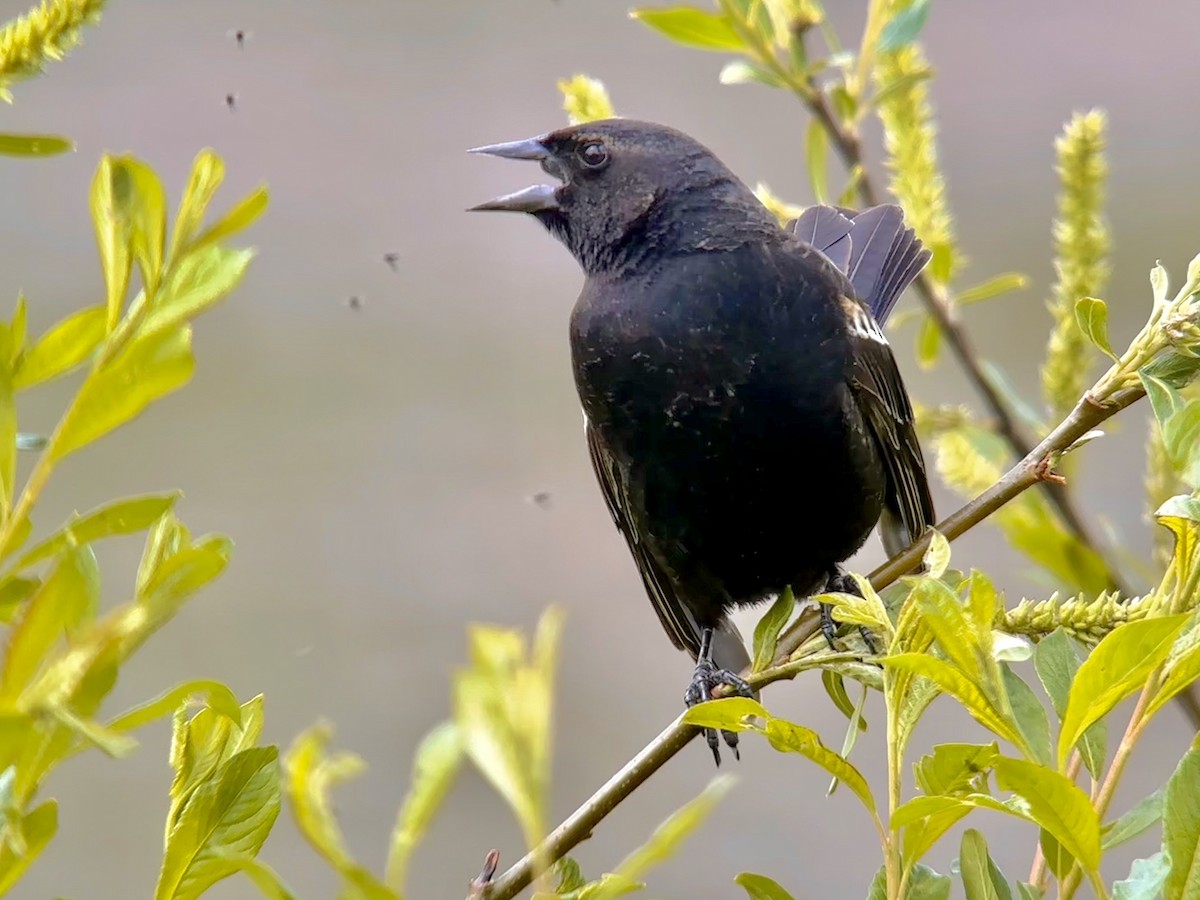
x,y
745,416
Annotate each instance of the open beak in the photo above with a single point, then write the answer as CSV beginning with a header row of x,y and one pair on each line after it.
x,y
533,199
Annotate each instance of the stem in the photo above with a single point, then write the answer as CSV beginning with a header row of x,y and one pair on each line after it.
x,y
896,878
580,824
1112,778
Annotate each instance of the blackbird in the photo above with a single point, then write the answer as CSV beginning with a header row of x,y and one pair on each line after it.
x,y
744,413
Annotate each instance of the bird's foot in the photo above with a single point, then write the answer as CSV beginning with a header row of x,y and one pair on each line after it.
x,y
706,679
840,582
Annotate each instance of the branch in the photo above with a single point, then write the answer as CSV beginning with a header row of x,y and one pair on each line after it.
x,y
1086,415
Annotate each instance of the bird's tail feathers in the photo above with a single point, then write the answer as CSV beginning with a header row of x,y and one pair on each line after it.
x,y
874,248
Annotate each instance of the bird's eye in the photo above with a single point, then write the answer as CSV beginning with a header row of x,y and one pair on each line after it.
x,y
593,154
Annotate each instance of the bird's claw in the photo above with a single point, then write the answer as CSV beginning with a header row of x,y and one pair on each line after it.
x,y
840,582
707,679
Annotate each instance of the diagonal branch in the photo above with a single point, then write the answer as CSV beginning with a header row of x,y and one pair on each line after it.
x,y
1031,470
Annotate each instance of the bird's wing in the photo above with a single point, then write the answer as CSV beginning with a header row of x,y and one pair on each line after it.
x,y
677,622
880,394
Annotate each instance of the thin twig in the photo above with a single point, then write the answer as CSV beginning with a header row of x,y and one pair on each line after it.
x,y
579,825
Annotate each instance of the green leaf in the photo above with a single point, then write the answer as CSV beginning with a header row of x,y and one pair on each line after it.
x,y
727,714
760,887
1181,438
1057,804
929,343
1147,813
196,283
904,27
1180,672
65,346
1181,829
570,878
118,517
993,287
229,815
65,601
1056,662
955,768
981,879
1158,284
835,687
667,838
1058,859
1092,317
817,154
145,371
37,829
1117,668
740,71
437,761
953,682
34,145
1146,879
926,884
866,610
924,820
1030,716
1163,396
769,627
8,426
692,27
1029,892
218,697
244,214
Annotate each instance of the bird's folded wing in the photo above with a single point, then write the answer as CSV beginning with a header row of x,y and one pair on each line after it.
x,y
881,397
678,623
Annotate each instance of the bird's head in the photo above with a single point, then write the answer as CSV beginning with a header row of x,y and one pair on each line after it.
x,y
627,186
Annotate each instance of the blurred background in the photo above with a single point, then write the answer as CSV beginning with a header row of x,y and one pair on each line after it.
x,y
376,459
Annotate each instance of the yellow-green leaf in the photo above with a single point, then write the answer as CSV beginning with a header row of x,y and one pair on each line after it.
x,y
981,879
924,820
1181,829
62,348
993,287
955,768
1057,804
952,681
437,761
311,775
65,601
727,714
196,283
937,554
692,27
244,214
760,887
146,370
116,518
788,737
34,145
208,171
669,836
769,627
929,343
1092,317
262,876
15,590
740,71
228,816
218,697
37,829
147,221
1117,668
112,197
8,425
817,153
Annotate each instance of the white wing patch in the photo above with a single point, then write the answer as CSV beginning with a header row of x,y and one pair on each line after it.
x,y
861,323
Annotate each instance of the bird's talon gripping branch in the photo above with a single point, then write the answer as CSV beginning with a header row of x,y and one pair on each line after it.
x,y
705,682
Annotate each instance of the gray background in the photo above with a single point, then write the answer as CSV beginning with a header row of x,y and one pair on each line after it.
x,y
373,466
